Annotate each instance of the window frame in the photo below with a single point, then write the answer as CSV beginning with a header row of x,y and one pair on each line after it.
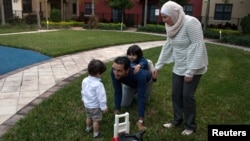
x,y
88,8
188,9
223,12
27,6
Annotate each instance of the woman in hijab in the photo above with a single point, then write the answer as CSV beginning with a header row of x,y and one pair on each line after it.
x,y
184,47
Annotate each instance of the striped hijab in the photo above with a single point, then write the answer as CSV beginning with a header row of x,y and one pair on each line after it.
x,y
175,11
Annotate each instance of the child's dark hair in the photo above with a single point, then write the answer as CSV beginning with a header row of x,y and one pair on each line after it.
x,y
135,50
96,66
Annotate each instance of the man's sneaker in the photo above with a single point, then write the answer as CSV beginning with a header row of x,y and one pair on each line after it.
x,y
187,132
168,125
96,135
140,125
88,129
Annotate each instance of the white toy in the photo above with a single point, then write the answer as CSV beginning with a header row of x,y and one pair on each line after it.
x,y
122,127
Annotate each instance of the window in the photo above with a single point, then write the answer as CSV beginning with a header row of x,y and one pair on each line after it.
x,y
116,15
74,8
223,11
88,8
27,6
188,9
151,17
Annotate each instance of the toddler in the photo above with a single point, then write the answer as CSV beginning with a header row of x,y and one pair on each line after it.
x,y
94,96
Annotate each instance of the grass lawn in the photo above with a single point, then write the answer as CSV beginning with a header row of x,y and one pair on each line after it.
x,y
222,98
63,42
14,29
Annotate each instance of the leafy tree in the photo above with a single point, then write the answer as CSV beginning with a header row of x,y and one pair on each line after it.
x,y
121,5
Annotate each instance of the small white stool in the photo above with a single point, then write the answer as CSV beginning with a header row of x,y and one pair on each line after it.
x,y
122,127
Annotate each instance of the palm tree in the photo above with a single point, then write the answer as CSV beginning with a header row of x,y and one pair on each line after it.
x,y
121,5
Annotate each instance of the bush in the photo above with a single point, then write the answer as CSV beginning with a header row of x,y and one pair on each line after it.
x,y
153,28
214,33
93,22
108,26
57,25
237,40
245,24
55,15
31,19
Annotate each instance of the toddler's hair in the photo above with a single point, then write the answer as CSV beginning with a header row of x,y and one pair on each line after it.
x,y
96,66
135,50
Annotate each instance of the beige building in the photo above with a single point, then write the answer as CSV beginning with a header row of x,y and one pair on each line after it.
x,y
69,8
225,11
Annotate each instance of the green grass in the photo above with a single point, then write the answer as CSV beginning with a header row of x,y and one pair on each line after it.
x,y
222,98
20,27
63,42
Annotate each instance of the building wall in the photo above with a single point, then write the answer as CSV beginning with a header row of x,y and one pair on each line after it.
x,y
104,11
45,8
197,7
17,9
240,10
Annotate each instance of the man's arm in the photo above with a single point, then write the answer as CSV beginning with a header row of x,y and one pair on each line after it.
x,y
117,91
142,77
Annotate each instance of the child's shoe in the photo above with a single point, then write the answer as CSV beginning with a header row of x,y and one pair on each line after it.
x,y
96,134
88,129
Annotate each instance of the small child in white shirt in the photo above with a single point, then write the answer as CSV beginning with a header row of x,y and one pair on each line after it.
x,y
94,96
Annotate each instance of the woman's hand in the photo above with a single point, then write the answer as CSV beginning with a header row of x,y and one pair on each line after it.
x,y
188,79
154,74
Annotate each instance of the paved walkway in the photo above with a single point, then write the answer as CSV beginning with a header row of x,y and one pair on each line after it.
x,y
25,88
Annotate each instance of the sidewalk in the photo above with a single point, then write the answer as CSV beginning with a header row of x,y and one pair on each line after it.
x,y
23,89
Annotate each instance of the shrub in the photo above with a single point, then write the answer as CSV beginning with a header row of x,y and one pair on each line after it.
x,y
93,22
152,28
55,15
245,24
108,26
237,40
31,19
57,25
214,33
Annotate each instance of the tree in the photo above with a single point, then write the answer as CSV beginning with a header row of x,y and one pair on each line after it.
x,y
2,12
38,14
121,5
